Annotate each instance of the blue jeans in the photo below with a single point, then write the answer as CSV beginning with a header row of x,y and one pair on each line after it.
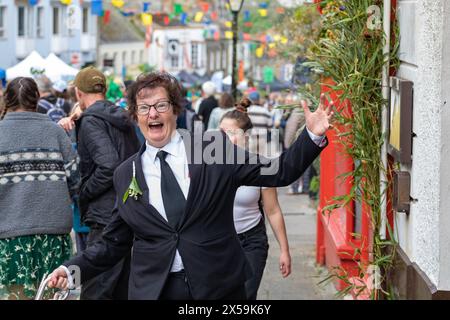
x,y
256,248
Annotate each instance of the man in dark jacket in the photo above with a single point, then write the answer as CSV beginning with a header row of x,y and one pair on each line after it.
x,y
106,138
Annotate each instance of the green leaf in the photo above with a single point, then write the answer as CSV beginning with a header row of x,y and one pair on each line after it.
x,y
125,197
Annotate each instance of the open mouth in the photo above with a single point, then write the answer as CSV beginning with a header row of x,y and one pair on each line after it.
x,y
155,126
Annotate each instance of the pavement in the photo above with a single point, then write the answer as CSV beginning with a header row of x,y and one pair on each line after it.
x,y
300,218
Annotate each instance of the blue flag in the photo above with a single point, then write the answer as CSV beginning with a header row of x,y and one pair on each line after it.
x,y
146,6
97,7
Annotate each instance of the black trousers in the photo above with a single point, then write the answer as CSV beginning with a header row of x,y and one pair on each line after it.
x,y
256,248
111,284
177,288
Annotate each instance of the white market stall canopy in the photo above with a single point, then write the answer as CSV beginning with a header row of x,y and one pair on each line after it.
x,y
24,68
53,67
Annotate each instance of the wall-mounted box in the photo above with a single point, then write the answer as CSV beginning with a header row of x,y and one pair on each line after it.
x,y
400,120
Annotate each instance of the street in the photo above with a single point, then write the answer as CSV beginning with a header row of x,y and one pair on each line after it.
x,y
302,284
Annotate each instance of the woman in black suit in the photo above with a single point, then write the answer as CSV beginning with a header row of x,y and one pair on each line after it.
x,y
180,220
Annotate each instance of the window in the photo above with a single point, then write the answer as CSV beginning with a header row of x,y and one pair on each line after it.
x,y
133,57
30,22
85,20
55,20
2,21
40,22
174,61
194,55
218,67
124,58
141,56
21,22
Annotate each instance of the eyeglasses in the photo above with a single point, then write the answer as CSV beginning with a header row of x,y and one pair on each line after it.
x,y
144,109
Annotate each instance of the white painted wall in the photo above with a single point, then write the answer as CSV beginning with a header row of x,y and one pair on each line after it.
x,y
424,49
117,50
159,57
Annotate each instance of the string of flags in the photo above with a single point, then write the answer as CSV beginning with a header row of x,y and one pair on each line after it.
x,y
204,14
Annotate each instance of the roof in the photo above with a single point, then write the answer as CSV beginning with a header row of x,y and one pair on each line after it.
x,y
119,29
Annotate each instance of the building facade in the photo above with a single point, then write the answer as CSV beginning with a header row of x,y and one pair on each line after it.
x,y
43,27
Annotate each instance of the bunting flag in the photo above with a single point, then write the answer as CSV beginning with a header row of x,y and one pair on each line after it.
x,y
280,10
228,34
241,73
177,8
246,37
33,2
148,36
183,18
216,35
227,6
66,2
166,20
277,37
246,15
117,3
248,24
259,52
147,19
198,17
146,7
263,39
214,16
204,6
271,45
97,7
284,40
263,5
228,24
262,12
107,16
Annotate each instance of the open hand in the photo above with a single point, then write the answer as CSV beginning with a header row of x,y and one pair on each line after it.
x,y
318,122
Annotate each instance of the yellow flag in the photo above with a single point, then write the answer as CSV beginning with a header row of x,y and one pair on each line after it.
x,y
284,40
271,45
227,6
228,24
147,19
263,12
198,16
66,2
117,3
260,52
277,37
229,34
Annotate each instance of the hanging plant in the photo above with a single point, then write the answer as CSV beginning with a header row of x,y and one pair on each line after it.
x,y
350,52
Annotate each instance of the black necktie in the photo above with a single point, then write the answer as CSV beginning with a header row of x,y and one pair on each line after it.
x,y
173,197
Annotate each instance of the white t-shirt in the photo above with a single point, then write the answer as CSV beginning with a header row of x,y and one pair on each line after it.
x,y
246,210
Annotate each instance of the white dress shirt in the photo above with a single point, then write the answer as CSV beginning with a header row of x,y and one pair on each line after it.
x,y
177,160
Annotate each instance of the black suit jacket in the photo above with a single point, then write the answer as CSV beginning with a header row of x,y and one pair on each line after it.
x,y
213,258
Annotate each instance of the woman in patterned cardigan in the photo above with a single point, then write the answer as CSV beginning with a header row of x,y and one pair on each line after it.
x,y
38,175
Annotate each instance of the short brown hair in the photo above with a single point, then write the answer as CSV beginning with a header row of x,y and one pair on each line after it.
x,y
154,80
226,101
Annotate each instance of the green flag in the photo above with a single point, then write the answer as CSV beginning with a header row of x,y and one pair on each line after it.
x,y
268,75
177,8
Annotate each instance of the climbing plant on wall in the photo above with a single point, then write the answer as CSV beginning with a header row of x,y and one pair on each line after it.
x,y
350,53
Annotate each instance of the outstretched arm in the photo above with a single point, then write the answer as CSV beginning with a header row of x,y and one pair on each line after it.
x,y
256,170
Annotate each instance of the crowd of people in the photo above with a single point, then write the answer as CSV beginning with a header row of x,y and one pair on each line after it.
x,y
148,223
